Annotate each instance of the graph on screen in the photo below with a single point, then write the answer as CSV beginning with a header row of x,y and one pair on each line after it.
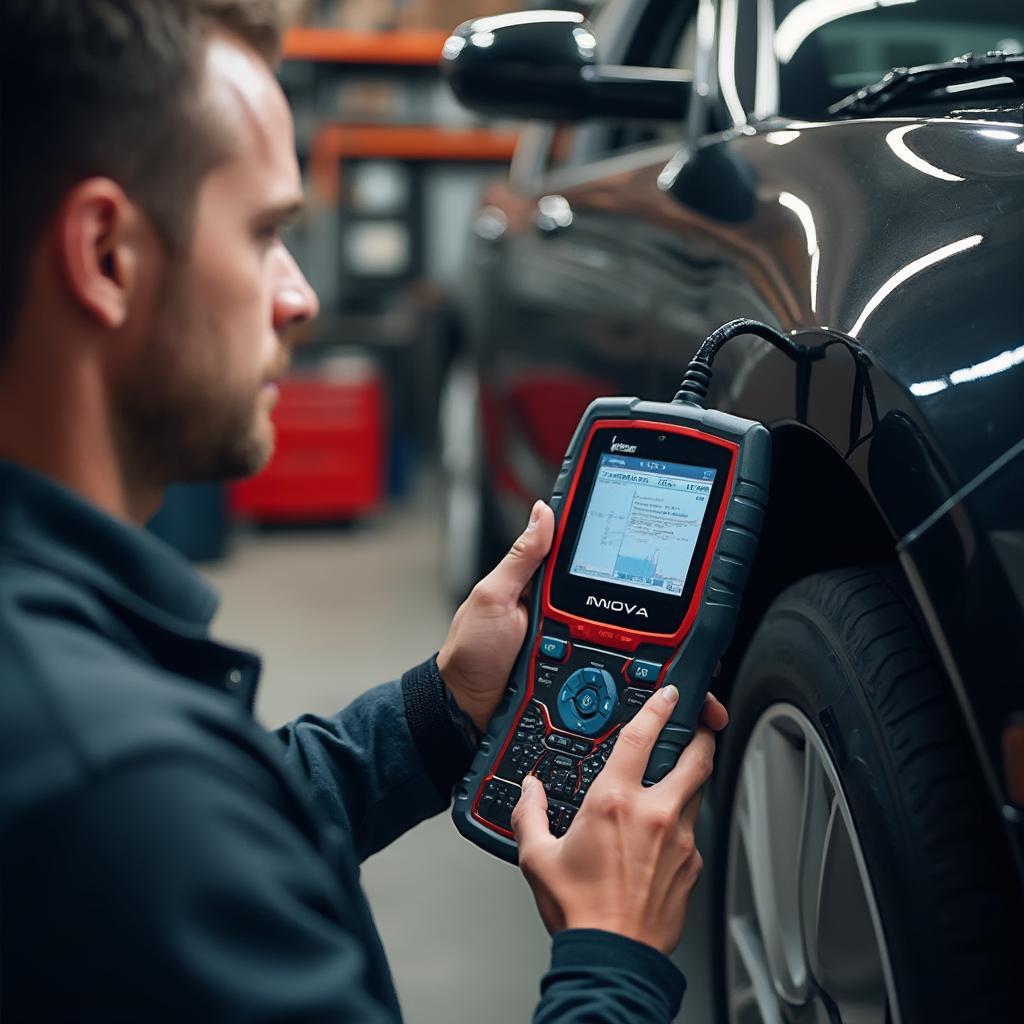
x,y
642,523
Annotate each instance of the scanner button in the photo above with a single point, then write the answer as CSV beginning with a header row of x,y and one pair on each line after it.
x,y
644,671
554,647
599,680
576,682
586,701
559,742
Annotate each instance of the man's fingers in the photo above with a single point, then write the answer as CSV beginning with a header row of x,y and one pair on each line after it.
x,y
691,810
691,771
637,738
530,815
510,576
713,713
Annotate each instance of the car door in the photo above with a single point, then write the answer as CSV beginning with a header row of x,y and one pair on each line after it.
x,y
811,222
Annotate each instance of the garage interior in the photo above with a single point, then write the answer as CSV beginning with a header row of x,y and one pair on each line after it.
x,y
330,562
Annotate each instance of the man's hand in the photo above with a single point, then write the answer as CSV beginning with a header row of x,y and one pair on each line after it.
x,y
490,626
629,861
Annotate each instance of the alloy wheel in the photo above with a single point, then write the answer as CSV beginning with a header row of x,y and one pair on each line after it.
x,y
804,941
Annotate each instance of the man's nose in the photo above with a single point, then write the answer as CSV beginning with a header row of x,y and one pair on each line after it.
x,y
295,302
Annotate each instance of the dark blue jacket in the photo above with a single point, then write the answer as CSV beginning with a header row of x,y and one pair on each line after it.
x,y
162,857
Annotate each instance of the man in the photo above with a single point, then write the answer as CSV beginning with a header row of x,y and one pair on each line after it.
x,y
161,857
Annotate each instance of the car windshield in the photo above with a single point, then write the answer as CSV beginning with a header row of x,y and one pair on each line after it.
x,y
828,48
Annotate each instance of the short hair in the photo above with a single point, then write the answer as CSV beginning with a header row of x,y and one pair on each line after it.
x,y
108,88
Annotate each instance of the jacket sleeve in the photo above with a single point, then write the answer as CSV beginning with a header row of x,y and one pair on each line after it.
x,y
172,890
598,977
386,762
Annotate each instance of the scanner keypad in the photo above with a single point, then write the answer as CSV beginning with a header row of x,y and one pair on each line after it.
x,y
527,746
567,730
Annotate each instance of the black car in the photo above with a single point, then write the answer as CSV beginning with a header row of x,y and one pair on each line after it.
x,y
693,161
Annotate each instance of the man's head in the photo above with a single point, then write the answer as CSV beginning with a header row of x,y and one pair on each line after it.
x,y
148,164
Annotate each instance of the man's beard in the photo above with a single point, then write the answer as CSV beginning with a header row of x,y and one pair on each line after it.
x,y
180,423
193,436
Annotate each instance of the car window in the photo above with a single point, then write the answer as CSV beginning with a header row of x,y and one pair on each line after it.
x,y
664,37
827,49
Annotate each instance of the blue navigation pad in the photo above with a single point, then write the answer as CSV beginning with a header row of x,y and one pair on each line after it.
x,y
642,522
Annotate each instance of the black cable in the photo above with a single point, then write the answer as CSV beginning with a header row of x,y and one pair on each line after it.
x,y
803,389
694,387
863,389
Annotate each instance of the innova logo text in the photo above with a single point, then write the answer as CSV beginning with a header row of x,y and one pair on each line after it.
x,y
617,606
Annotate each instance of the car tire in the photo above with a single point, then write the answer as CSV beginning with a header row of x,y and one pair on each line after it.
x,y
470,546
861,876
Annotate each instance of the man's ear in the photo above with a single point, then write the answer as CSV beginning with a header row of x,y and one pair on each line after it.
x,y
100,233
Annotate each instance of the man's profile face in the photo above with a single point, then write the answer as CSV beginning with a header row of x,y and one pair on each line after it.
x,y
198,404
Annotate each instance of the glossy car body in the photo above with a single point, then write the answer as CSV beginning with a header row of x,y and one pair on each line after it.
x,y
601,273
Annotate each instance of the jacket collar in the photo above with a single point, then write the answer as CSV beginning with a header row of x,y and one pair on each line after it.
x,y
43,522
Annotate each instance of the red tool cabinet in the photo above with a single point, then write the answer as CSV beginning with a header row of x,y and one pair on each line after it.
x,y
329,458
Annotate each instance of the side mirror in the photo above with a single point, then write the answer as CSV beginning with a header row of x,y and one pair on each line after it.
x,y
543,64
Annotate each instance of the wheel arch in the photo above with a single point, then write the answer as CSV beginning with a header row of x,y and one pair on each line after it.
x,y
820,517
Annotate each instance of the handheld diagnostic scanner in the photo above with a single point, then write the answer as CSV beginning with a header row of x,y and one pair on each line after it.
x,y
658,510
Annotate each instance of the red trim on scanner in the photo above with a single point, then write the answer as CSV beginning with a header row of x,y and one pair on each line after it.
x,y
613,637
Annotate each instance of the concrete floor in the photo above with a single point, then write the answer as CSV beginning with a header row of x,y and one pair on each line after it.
x,y
333,612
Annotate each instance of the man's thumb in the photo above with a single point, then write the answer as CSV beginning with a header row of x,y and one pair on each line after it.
x,y
530,816
516,569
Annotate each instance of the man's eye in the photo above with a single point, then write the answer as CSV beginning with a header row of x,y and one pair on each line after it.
x,y
269,233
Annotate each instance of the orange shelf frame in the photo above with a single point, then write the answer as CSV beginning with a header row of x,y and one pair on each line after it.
x,y
412,47
336,142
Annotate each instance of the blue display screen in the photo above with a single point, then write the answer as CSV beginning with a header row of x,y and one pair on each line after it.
x,y
642,522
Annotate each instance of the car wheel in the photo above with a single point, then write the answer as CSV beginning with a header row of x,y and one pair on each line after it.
x,y
469,545
860,876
